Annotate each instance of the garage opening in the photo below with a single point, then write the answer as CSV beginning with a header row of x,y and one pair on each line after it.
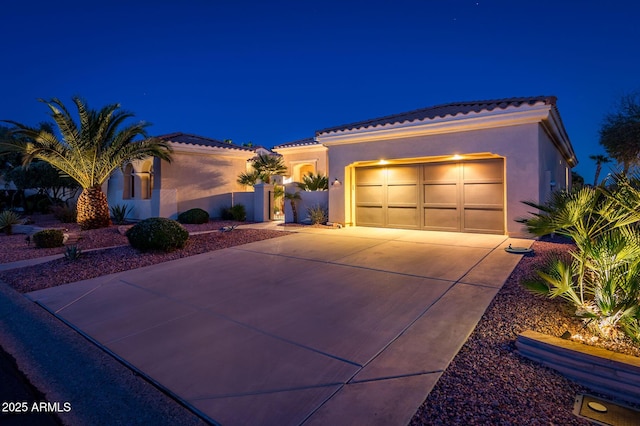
x,y
463,196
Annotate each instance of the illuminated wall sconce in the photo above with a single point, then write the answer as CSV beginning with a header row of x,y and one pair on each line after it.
x,y
336,182
457,157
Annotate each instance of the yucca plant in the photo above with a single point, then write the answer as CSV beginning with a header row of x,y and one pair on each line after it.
x,y
8,218
89,150
119,213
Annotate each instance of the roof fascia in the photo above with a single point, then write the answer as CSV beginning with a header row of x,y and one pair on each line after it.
x,y
449,124
301,148
180,147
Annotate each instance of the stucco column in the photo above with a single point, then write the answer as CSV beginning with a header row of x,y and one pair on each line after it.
x,y
263,202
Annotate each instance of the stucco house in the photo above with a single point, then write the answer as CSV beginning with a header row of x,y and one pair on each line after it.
x,y
462,167
203,173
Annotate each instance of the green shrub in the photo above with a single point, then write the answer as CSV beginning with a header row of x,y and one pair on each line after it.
x,y
237,212
194,216
317,215
65,213
157,233
9,218
119,213
48,238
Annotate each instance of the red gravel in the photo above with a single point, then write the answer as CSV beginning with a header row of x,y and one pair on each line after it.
x,y
488,383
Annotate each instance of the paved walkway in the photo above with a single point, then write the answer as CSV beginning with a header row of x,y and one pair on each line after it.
x,y
344,326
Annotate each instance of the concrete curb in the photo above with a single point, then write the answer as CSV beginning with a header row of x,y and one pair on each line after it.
x,y
67,368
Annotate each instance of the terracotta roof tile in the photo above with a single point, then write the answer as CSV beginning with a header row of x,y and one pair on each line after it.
x,y
189,139
451,109
301,142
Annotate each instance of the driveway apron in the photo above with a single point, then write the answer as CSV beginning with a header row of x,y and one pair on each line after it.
x,y
344,326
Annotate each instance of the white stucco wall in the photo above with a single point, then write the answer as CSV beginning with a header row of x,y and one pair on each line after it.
x,y
517,144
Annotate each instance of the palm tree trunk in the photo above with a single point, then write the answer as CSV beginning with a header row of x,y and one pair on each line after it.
x,y
93,209
598,169
294,210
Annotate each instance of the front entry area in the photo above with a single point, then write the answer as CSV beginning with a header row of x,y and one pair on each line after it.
x,y
463,196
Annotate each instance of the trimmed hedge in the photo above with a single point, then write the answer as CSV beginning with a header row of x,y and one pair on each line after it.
x,y
157,233
48,238
194,216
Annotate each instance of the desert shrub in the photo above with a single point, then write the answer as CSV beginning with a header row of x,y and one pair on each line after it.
x,y
65,213
237,212
72,253
9,218
48,238
194,216
601,277
119,213
317,214
157,233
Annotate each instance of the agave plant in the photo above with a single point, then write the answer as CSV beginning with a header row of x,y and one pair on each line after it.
x,y
119,213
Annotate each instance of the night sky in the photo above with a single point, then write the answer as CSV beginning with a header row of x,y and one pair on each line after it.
x,y
271,72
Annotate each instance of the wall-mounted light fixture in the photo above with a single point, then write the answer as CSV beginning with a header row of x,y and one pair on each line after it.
x,y
336,182
456,157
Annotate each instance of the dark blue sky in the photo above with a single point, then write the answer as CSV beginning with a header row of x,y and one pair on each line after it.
x,y
275,71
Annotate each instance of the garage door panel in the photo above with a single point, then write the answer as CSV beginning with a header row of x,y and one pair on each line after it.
x,y
483,220
403,217
443,219
370,216
441,194
482,170
402,175
402,194
369,176
483,194
440,172
369,195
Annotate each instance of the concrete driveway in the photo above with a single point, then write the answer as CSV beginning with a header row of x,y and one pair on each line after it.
x,y
344,326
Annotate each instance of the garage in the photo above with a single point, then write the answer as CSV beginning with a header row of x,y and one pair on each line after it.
x,y
463,196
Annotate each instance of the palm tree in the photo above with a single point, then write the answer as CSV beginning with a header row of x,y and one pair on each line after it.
x,y
89,152
293,198
600,160
269,166
248,178
311,182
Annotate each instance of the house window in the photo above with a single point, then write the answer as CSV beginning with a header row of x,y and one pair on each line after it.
x,y
146,179
128,190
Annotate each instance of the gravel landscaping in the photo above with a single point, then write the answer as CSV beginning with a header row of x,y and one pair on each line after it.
x,y
489,383
486,383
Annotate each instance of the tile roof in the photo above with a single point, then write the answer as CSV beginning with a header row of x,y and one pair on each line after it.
x,y
189,139
451,109
301,142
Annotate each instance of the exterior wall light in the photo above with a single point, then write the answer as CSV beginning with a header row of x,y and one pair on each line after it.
x,y
336,182
457,157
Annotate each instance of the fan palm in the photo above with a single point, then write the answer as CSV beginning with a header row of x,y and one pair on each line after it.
x,y
269,166
311,182
89,152
293,198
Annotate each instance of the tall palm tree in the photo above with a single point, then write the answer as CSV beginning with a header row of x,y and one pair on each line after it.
x,y
600,160
89,151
